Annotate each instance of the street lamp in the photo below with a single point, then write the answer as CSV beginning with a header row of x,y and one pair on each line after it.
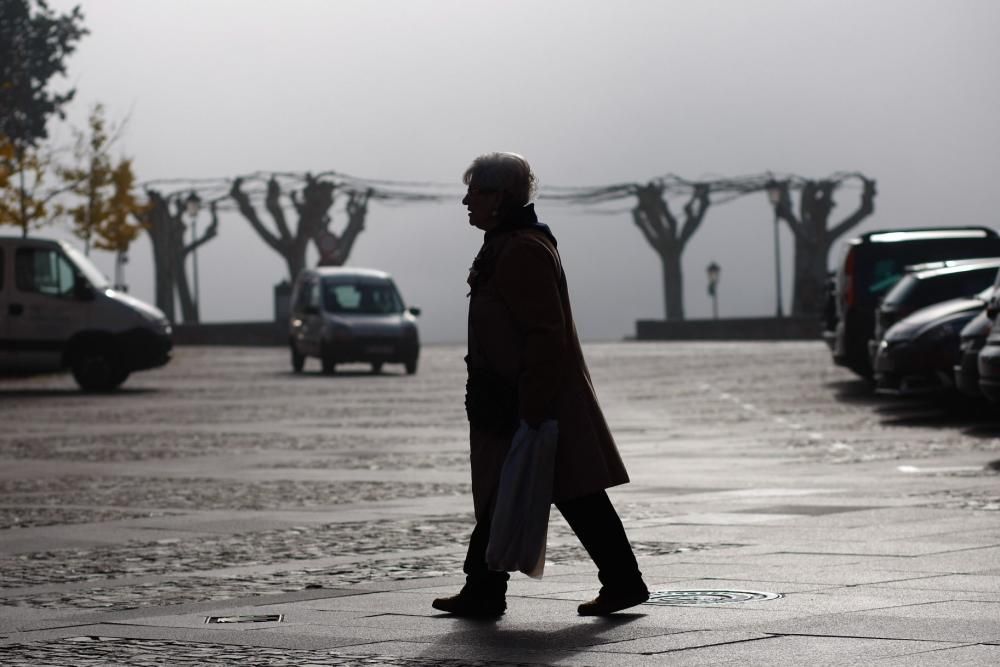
x,y
713,271
774,193
193,205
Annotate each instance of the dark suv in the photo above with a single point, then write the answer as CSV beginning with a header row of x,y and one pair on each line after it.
x,y
874,262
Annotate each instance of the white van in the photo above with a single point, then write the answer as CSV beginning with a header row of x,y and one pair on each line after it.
x,y
58,311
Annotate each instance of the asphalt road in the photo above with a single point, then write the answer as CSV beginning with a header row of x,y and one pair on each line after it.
x,y
224,476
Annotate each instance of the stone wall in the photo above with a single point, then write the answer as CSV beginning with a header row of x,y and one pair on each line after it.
x,y
748,328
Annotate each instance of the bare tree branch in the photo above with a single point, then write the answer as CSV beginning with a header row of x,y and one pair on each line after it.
x,y
250,213
865,208
273,203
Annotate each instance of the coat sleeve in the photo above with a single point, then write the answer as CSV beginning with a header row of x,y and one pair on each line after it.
x,y
527,280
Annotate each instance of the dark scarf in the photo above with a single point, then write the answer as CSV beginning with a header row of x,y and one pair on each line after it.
x,y
511,220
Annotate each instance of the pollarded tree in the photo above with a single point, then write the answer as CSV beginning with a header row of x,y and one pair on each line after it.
x,y
312,206
164,220
813,237
668,237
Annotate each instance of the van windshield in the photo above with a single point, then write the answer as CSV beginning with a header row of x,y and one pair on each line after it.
x,y
86,267
361,297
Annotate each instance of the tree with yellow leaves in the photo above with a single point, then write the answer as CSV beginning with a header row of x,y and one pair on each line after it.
x,y
24,197
103,190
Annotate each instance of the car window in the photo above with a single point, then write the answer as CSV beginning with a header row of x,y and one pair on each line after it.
x,y
901,291
951,286
367,298
44,271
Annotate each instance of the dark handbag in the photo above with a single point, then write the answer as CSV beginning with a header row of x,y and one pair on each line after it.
x,y
490,402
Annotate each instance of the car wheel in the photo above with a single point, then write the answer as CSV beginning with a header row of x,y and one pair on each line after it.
x,y
329,367
298,360
411,366
97,369
376,367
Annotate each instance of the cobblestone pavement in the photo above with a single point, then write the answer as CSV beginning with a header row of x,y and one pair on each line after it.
x,y
232,431
32,517
104,651
175,555
211,494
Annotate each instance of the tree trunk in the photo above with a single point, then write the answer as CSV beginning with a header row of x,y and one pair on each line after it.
x,y
809,290
160,227
189,309
673,284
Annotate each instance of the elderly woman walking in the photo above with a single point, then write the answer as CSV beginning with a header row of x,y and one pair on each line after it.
x,y
525,365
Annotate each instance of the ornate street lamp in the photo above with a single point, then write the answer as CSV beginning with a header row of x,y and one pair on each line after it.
x,y
193,205
774,193
713,271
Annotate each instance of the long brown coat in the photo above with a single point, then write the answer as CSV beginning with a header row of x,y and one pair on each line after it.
x,y
521,326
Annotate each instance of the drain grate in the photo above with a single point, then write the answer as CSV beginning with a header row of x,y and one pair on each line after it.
x,y
257,618
707,597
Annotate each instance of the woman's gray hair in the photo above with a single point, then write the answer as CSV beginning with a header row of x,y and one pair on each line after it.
x,y
509,173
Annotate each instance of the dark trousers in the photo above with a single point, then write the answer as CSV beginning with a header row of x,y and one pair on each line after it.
x,y
596,523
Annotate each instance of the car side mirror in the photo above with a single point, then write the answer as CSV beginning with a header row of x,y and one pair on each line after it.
x,y
311,310
992,308
413,310
82,290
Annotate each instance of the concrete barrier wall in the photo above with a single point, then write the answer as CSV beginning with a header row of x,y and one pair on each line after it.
x,y
760,328
231,333
750,328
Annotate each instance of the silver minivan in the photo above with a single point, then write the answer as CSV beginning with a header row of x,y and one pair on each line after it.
x,y
341,315
58,311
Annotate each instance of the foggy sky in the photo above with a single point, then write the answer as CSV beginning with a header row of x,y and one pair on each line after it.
x,y
591,92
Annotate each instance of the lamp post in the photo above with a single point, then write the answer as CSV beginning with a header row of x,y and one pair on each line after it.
x,y
774,192
713,271
193,205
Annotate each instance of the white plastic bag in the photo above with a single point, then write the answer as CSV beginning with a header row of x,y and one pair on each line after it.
x,y
520,522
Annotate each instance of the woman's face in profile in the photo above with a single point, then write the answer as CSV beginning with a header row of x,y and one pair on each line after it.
x,y
481,204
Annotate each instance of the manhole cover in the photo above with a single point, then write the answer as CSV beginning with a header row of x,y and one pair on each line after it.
x,y
258,618
707,597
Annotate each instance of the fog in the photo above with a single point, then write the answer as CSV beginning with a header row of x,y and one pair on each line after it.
x,y
905,91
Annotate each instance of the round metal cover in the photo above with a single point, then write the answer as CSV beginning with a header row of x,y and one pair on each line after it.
x,y
707,597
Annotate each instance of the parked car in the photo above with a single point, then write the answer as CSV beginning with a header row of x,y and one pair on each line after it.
x,y
972,338
829,315
918,354
988,361
344,315
58,311
926,284
874,262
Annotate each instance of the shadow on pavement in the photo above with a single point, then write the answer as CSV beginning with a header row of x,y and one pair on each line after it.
x,y
545,646
69,392
975,417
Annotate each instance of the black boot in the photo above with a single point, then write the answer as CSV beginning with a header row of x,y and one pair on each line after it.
x,y
596,523
477,599
484,593
610,600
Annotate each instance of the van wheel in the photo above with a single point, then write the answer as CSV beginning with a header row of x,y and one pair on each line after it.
x,y
97,370
298,360
411,366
